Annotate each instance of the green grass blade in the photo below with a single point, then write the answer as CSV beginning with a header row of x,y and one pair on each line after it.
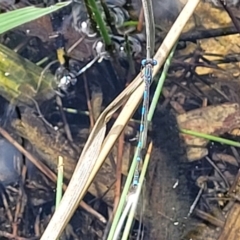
x,y
15,18
211,137
101,24
137,194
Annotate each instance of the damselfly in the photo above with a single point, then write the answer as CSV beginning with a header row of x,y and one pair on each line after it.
x,y
148,65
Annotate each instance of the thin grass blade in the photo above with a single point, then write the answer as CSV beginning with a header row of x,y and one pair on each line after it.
x,y
15,18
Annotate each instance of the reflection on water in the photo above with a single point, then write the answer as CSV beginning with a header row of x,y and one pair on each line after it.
x,y
10,158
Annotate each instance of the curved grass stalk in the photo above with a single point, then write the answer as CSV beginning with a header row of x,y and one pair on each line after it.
x,y
137,194
131,199
123,198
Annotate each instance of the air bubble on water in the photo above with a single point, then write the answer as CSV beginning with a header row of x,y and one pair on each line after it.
x,y
176,184
84,26
99,46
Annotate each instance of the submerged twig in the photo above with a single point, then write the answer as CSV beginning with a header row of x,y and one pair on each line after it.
x,y
89,104
231,15
59,181
65,122
140,21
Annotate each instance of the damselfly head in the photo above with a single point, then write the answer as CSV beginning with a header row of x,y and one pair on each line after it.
x,y
152,62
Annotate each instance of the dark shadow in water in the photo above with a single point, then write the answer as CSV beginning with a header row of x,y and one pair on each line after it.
x,y
167,195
